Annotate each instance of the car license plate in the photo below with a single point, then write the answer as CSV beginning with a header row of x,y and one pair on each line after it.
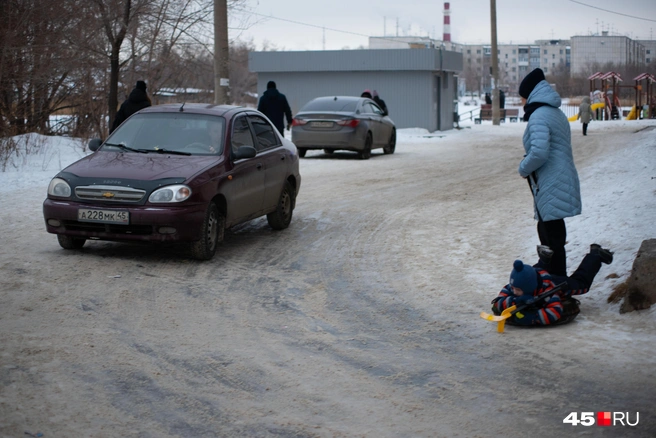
x,y
105,216
322,124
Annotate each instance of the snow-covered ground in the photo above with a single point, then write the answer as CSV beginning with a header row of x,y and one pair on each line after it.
x,y
361,319
618,214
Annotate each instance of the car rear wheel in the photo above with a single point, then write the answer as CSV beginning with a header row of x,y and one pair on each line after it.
x,y
68,242
365,154
391,146
301,152
212,234
282,216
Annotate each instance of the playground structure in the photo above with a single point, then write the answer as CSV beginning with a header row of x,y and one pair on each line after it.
x,y
609,82
649,93
605,97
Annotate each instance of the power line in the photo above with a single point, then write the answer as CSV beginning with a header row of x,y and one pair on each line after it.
x,y
310,25
613,12
302,24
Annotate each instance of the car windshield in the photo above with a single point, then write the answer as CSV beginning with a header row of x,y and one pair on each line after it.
x,y
331,104
181,133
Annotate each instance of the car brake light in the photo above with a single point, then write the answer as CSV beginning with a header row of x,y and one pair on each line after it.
x,y
349,122
298,122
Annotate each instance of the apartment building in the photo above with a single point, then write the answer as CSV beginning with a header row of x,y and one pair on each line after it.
x,y
650,53
575,55
603,49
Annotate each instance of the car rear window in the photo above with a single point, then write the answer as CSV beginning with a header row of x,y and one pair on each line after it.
x,y
171,131
331,104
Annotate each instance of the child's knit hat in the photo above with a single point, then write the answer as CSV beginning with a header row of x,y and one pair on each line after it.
x,y
524,277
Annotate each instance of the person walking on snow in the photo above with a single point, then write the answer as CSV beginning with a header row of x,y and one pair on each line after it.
x,y
527,282
585,114
274,105
549,165
137,100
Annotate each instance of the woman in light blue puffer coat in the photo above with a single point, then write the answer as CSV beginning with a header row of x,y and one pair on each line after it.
x,y
549,165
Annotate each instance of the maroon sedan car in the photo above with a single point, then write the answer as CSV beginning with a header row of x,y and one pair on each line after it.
x,y
176,173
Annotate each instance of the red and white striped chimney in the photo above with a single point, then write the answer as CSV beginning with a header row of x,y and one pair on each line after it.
x,y
447,23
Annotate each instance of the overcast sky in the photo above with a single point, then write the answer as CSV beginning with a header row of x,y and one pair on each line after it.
x,y
299,24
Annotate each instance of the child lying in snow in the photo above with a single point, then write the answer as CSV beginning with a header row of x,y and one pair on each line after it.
x,y
527,282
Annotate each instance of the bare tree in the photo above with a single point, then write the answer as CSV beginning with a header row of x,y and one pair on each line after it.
x,y
243,83
35,65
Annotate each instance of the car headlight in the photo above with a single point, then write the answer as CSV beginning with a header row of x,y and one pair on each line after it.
x,y
177,193
59,188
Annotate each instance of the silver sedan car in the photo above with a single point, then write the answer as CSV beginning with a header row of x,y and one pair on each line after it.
x,y
343,123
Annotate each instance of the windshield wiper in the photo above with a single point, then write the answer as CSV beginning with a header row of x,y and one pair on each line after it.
x,y
126,148
165,151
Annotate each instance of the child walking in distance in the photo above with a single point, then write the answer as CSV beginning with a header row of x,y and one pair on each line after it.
x,y
527,282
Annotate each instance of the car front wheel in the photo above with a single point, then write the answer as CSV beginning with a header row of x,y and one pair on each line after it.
x,y
68,242
211,235
280,218
301,152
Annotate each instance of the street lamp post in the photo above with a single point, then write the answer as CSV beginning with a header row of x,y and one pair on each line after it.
x,y
221,53
495,65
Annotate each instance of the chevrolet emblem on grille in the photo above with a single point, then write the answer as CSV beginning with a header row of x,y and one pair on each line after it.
x,y
108,195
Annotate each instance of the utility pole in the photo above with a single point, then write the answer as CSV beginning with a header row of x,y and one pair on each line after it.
x,y
495,65
221,53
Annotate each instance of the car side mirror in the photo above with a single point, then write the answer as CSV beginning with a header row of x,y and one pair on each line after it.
x,y
245,152
94,144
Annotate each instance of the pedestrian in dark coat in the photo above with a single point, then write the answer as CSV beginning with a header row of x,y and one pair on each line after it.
x,y
137,100
488,99
274,105
502,99
367,93
381,103
549,165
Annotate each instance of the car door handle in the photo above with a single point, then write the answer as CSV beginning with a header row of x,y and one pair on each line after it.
x,y
282,157
259,166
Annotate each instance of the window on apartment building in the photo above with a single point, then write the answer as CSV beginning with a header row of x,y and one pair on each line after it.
x,y
546,61
514,78
478,51
506,56
513,69
561,51
545,51
553,64
648,60
553,56
469,51
648,52
546,69
514,51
